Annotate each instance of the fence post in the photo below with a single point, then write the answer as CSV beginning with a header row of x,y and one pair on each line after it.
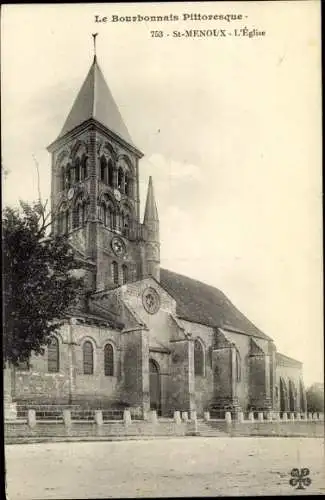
x,y
153,417
228,417
193,415
284,416
31,418
321,416
251,416
177,417
127,417
185,416
260,416
99,417
315,416
269,416
67,418
298,416
206,416
310,416
240,417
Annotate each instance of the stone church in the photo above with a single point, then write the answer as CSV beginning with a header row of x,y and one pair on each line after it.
x,y
142,337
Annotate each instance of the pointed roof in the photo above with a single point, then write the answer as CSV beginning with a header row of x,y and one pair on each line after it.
x,y
150,212
205,304
95,100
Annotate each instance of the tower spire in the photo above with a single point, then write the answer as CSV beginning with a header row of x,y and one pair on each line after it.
x,y
150,212
152,244
94,40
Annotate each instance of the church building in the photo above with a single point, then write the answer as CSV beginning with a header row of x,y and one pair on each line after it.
x,y
142,336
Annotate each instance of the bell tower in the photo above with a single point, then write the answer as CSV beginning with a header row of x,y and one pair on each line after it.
x,y
95,188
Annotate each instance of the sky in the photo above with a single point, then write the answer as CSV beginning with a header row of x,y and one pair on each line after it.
x,y
231,132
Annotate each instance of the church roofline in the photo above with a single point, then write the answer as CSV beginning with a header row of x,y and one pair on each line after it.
x,y
283,360
95,125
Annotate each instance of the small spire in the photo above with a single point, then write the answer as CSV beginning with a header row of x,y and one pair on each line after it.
x,y
94,40
151,212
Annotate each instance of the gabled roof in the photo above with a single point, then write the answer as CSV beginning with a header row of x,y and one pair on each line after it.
x,y
95,100
204,304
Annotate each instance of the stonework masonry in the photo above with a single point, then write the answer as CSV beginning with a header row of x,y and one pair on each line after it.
x,y
142,337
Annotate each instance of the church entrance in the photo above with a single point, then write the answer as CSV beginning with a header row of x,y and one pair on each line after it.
x,y
154,384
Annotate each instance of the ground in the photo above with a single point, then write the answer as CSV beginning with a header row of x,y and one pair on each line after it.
x,y
193,466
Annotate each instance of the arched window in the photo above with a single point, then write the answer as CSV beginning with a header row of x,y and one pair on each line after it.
x,y
238,367
63,219
88,358
127,184
77,169
198,358
110,173
115,272
62,178
84,167
79,213
125,224
103,169
108,218
117,220
103,212
120,180
124,273
53,356
109,360
68,176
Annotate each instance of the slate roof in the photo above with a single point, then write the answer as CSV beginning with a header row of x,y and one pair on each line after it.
x,y
205,304
281,359
95,100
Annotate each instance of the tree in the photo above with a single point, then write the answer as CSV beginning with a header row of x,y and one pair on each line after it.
x,y
315,398
38,281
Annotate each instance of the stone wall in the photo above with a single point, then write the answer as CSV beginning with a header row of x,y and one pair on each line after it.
x,y
70,384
